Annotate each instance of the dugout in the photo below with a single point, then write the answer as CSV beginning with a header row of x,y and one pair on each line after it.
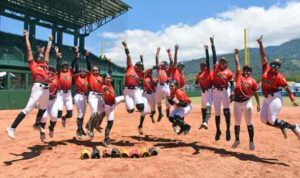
x,y
78,18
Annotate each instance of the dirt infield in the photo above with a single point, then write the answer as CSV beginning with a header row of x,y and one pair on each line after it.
x,y
194,155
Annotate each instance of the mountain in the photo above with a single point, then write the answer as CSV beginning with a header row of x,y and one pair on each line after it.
x,y
288,52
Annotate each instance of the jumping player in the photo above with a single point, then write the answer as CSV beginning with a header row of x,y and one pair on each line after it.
x,y
38,64
222,76
176,68
162,88
64,95
272,81
182,107
246,86
132,92
204,80
110,102
81,90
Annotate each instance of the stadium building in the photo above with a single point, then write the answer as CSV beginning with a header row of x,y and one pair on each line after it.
x,y
78,18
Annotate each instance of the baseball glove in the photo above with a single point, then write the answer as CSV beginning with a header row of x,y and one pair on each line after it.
x,y
144,152
85,154
124,153
115,153
134,153
95,153
106,154
153,151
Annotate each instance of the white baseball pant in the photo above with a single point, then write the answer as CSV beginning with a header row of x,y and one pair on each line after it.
x,y
51,111
180,111
239,108
80,102
207,98
151,100
64,99
218,97
133,97
96,102
39,95
110,110
270,108
162,92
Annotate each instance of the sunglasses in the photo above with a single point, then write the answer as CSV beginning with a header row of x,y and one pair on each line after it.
x,y
172,86
275,65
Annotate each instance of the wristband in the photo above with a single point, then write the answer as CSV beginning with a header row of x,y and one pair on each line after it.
x,y
126,51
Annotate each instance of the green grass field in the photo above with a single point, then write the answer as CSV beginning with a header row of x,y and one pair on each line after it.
x,y
286,101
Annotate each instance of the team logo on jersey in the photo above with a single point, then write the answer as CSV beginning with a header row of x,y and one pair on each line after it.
x,y
221,76
135,77
66,78
245,84
267,82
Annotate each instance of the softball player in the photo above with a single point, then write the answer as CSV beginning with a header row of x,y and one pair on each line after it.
x,y
38,66
221,77
162,88
149,91
182,108
95,98
110,102
204,80
51,109
246,86
80,98
64,95
132,92
176,69
272,81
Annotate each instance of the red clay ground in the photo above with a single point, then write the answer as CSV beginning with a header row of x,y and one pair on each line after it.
x,y
194,155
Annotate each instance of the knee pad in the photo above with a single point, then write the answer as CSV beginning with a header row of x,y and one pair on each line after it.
x,y
59,114
69,114
130,110
140,107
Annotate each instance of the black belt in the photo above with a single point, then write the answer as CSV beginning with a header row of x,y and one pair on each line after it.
x,y
52,97
272,94
241,100
44,86
64,91
95,93
131,87
204,91
149,92
221,89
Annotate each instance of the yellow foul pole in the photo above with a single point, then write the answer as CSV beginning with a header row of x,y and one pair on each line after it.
x,y
247,55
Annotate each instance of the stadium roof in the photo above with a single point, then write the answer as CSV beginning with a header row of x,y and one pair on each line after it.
x,y
83,15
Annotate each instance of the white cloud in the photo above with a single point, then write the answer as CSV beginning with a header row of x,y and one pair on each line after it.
x,y
277,23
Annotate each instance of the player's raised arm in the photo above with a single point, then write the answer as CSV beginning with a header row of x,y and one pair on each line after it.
x,y
237,61
170,57
157,56
142,58
88,62
262,51
129,60
28,46
48,48
74,63
213,48
207,56
175,55
58,59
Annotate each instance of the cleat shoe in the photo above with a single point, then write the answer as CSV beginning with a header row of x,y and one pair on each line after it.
x,y
36,126
51,133
160,116
228,137
152,118
175,128
235,144
187,129
98,129
43,137
296,130
90,134
79,134
251,146
218,134
141,131
106,142
11,132
284,132
63,121
204,125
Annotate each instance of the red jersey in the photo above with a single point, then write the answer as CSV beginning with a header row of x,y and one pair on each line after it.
x,y
163,75
221,78
65,80
81,85
53,85
245,86
179,77
39,71
132,77
148,84
108,94
95,82
181,96
205,79
271,81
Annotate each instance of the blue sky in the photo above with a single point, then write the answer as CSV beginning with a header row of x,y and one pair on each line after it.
x,y
166,22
